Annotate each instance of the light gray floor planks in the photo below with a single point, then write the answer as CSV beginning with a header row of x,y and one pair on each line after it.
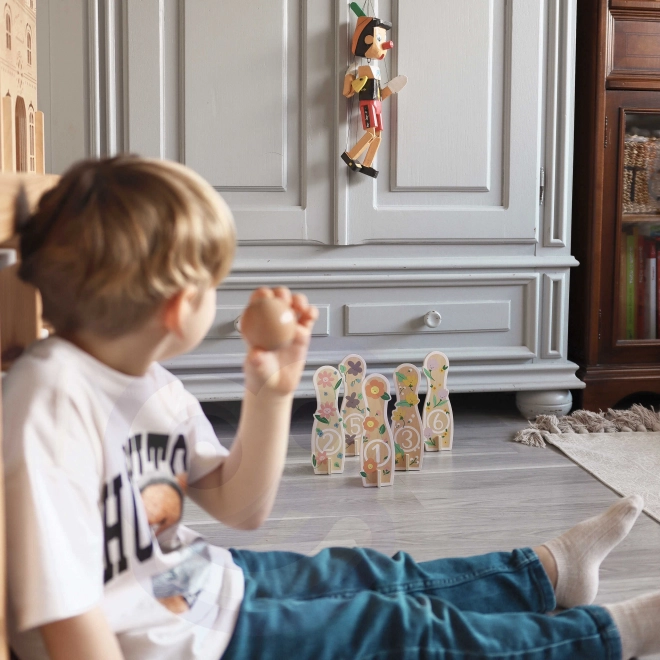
x,y
487,494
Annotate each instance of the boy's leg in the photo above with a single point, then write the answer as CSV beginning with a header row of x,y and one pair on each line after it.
x,y
578,553
403,626
496,582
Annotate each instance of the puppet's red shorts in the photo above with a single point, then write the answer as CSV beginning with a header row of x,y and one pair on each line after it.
x,y
371,115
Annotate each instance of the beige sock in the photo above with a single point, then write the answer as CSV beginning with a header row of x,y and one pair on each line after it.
x,y
579,552
637,620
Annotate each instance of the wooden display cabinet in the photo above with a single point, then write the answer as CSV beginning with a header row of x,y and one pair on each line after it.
x,y
614,332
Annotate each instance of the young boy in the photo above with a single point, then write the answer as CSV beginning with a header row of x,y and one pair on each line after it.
x,y
102,444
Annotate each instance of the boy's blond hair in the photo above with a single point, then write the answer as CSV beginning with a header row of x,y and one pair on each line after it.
x,y
117,237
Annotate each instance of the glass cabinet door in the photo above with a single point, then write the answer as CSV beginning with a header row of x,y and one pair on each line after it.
x,y
639,241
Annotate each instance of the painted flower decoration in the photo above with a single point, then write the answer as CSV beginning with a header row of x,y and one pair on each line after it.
x,y
397,416
370,466
327,410
350,440
352,400
433,364
443,393
325,379
427,432
322,457
354,368
370,423
375,389
412,399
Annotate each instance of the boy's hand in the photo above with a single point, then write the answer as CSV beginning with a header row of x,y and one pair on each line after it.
x,y
279,371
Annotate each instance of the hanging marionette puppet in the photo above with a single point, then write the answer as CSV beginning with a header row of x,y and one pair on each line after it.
x,y
370,42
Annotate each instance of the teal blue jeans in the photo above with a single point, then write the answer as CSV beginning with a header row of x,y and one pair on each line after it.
x,y
358,603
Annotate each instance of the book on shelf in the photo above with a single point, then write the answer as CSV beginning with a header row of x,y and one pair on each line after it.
x,y
640,283
657,288
631,272
650,288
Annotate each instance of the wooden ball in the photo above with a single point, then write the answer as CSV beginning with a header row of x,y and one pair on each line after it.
x,y
268,323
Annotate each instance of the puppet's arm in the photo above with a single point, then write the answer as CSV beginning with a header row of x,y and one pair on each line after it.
x,y
348,90
394,86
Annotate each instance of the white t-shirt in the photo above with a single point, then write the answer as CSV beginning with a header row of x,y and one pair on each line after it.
x,y
83,445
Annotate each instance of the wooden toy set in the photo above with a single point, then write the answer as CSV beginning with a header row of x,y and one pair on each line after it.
x,y
361,426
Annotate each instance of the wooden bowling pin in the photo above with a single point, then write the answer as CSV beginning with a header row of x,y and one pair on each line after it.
x,y
353,371
407,426
327,432
377,459
438,419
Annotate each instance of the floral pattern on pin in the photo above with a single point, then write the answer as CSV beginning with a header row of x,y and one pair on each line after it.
x,y
325,379
370,466
352,400
398,416
327,410
354,368
370,423
375,390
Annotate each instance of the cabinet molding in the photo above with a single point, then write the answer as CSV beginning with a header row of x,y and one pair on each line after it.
x,y
228,386
94,81
553,315
332,267
384,279
560,107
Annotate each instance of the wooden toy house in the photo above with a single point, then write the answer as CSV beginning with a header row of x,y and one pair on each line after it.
x,y
22,134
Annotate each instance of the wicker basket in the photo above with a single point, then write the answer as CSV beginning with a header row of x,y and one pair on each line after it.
x,y
641,167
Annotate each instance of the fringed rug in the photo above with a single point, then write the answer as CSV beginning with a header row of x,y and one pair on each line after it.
x,y
621,448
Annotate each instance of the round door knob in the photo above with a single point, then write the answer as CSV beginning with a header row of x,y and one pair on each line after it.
x,y
237,323
432,319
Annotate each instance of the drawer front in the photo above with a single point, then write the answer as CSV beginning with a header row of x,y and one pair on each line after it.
x,y
428,318
226,316
636,50
480,316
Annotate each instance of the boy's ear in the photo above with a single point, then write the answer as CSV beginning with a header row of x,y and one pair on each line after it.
x,y
176,310
369,39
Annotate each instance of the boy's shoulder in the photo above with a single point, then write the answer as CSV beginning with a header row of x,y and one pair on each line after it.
x,y
54,368
42,367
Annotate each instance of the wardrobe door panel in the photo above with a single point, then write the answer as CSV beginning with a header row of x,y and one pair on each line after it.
x,y
252,126
460,159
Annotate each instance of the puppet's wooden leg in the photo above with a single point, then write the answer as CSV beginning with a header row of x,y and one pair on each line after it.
x,y
373,150
369,158
364,142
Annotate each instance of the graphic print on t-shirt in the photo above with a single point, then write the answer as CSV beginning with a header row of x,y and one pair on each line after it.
x,y
156,469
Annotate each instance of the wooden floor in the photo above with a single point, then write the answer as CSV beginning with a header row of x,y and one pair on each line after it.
x,y
487,494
